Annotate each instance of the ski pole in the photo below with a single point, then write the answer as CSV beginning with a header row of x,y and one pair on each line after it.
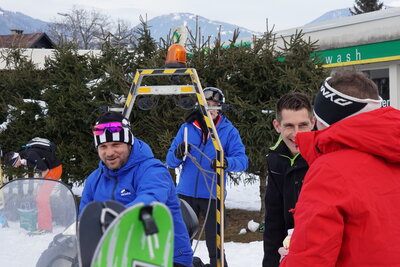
x,y
185,139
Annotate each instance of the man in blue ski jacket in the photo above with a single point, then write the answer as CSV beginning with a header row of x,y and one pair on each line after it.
x,y
129,174
196,186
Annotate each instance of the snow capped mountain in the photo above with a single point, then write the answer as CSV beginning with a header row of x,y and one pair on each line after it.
x,y
333,14
337,13
160,26
16,20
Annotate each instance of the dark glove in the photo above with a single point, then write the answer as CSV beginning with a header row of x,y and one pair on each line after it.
x,y
180,151
214,164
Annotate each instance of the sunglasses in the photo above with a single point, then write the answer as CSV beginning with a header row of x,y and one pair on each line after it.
x,y
112,127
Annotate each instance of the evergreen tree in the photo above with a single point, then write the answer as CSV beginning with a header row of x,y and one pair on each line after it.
x,y
144,46
23,109
71,100
365,6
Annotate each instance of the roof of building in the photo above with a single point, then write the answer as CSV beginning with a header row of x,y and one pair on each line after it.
x,y
30,40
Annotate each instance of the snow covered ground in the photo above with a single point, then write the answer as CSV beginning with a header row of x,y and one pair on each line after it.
x,y
17,249
237,254
22,250
245,197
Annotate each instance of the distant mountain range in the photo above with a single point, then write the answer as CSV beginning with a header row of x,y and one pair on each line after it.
x,y
15,20
159,26
333,14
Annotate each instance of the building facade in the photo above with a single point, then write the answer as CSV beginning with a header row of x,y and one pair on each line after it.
x,y
367,42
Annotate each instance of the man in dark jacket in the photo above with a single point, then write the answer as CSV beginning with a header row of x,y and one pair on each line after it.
x,y
196,185
44,159
286,170
129,174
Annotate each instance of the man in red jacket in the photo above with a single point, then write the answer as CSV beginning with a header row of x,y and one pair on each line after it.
x,y
347,212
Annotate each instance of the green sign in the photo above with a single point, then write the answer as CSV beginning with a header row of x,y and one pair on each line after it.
x,y
362,54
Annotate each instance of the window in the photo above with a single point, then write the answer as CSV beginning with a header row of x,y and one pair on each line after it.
x,y
381,78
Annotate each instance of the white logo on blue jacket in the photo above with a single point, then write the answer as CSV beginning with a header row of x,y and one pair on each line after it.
x,y
125,192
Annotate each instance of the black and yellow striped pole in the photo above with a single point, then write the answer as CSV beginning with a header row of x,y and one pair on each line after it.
x,y
136,89
219,169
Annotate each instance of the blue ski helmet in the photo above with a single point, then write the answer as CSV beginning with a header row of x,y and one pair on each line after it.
x,y
214,94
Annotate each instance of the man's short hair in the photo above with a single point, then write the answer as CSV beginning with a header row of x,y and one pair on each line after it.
x,y
354,83
11,158
292,101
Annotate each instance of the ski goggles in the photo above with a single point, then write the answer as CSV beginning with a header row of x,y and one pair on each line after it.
x,y
214,94
112,127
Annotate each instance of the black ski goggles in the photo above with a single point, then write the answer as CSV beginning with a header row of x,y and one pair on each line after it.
x,y
214,94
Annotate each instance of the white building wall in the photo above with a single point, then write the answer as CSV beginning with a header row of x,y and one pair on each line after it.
x,y
361,29
38,56
394,85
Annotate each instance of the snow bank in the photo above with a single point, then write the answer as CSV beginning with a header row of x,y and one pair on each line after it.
x,y
244,197
237,254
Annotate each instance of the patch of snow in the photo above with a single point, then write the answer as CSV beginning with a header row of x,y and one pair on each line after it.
x,y
21,249
41,103
243,196
119,99
77,189
93,83
4,125
237,254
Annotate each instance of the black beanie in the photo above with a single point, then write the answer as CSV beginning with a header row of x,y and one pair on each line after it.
x,y
331,106
124,136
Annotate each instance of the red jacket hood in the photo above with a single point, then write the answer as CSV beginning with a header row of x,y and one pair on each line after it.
x,y
376,132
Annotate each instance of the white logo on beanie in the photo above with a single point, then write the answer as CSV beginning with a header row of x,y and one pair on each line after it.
x,y
335,98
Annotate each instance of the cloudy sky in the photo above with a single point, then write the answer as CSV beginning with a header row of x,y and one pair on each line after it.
x,y
251,14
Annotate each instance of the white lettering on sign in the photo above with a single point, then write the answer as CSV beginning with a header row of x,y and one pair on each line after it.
x,y
385,103
347,57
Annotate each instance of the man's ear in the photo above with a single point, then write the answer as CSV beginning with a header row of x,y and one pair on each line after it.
x,y
313,121
277,125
